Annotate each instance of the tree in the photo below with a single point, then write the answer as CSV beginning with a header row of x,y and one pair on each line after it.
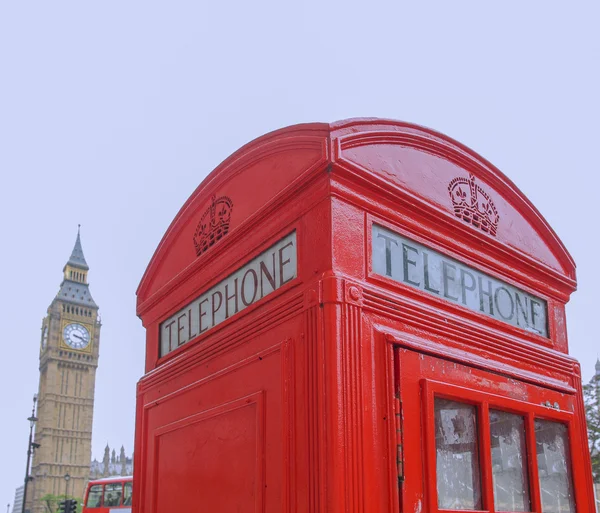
x,y
51,502
591,398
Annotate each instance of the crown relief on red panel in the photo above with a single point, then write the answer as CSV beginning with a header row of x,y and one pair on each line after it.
x,y
214,223
473,205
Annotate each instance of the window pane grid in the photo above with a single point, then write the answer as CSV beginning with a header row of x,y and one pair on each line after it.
x,y
112,494
508,449
457,455
554,467
525,464
127,493
94,499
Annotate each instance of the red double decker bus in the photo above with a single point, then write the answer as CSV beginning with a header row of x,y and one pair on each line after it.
x,y
108,494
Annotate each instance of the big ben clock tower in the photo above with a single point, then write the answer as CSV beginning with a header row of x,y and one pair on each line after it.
x,y
69,344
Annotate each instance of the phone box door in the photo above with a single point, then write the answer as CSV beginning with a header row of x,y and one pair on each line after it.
x,y
478,441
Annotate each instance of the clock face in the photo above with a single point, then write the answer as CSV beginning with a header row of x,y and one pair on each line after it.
x,y
44,336
76,336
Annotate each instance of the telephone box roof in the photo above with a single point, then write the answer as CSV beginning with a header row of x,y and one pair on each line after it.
x,y
392,155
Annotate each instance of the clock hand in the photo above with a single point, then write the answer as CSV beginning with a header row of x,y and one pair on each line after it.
x,y
77,336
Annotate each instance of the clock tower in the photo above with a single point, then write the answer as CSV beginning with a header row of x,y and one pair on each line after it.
x,y
69,343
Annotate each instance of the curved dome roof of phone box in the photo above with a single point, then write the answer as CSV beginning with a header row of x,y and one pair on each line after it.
x,y
399,166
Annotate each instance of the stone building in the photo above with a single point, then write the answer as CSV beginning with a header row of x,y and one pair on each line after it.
x,y
18,502
111,464
69,344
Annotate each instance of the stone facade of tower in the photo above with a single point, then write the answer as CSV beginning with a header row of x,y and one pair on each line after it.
x,y
70,338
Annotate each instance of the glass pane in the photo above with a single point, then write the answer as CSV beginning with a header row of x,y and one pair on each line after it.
x,y
509,462
457,455
94,496
112,494
127,494
554,467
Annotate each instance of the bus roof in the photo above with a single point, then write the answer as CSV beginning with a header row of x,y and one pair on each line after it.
x,y
111,479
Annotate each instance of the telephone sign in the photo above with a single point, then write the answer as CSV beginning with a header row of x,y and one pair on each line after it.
x,y
418,266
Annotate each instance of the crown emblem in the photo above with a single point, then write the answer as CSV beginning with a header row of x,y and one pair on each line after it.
x,y
214,224
473,205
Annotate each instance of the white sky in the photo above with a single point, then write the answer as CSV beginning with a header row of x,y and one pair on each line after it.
x,y
112,112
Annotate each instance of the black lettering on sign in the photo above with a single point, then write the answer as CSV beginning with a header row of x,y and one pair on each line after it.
x,y
254,287
506,314
406,261
522,309
270,276
202,314
449,275
215,309
388,252
283,263
426,282
535,306
233,296
485,293
190,334
168,326
180,328
463,285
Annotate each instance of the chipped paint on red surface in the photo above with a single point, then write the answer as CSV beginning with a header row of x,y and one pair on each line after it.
x,y
303,386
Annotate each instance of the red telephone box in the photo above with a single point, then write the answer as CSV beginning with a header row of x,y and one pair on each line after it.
x,y
363,316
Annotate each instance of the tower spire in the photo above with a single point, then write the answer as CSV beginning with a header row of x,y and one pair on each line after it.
x,y
74,287
77,259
